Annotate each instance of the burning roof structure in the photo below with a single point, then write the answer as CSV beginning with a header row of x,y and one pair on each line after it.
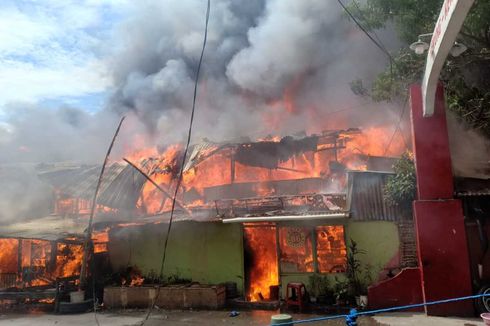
x,y
220,174
294,178
120,186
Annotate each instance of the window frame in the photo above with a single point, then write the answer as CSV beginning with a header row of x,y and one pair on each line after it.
x,y
314,243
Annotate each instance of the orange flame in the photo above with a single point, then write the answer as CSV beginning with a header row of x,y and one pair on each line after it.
x,y
8,255
261,245
69,259
100,239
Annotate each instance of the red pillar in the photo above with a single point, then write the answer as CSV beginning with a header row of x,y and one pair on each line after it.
x,y
441,235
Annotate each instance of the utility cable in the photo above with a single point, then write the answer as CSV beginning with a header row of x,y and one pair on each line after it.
x,y
379,45
184,157
398,127
356,4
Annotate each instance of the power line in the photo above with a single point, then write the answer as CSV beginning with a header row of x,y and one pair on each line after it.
x,y
364,17
398,128
181,170
379,45
189,135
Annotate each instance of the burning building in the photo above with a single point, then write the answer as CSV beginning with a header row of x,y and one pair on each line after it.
x,y
260,214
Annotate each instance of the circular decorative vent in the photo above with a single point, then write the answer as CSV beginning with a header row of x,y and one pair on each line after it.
x,y
295,237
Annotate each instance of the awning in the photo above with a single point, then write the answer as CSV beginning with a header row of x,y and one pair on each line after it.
x,y
285,218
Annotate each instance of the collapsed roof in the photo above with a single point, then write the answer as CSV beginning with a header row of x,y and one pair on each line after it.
x,y
120,187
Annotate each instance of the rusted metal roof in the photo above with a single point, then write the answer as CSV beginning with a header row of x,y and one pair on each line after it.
x,y
365,197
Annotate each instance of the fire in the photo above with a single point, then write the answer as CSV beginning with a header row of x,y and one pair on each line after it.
x,y
376,141
335,152
39,282
162,170
8,255
132,277
137,281
31,261
214,171
100,239
331,249
69,259
260,243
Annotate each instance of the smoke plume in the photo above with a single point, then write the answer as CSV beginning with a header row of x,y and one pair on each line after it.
x,y
270,67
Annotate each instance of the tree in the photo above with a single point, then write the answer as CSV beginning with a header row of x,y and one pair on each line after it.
x,y
466,78
401,188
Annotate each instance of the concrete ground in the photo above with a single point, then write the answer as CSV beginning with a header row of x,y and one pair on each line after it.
x,y
420,319
134,318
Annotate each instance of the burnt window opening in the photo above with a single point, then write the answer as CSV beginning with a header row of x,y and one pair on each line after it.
x,y
270,251
330,249
35,262
296,250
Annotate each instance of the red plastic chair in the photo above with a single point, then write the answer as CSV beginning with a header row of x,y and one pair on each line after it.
x,y
296,296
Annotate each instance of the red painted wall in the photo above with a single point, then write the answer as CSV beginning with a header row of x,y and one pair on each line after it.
x,y
441,236
431,148
443,256
403,289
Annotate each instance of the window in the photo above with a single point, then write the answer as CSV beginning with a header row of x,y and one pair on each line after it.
x,y
330,249
296,250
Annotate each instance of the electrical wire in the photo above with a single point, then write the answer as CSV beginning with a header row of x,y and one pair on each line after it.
x,y
184,157
189,135
364,17
398,127
378,44
381,46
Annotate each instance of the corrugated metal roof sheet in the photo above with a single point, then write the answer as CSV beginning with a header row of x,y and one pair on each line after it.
x,y
120,187
365,197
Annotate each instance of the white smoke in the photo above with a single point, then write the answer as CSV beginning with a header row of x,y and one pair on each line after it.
x,y
470,151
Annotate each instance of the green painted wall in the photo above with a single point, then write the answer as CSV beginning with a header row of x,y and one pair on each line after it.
x,y
205,252
379,239
213,252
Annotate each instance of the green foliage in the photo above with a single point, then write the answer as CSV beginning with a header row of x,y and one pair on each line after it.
x,y
466,78
341,290
406,68
410,17
401,188
358,276
318,285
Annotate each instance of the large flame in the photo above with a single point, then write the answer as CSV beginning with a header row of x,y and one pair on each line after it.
x,y
219,168
262,259
69,259
8,255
